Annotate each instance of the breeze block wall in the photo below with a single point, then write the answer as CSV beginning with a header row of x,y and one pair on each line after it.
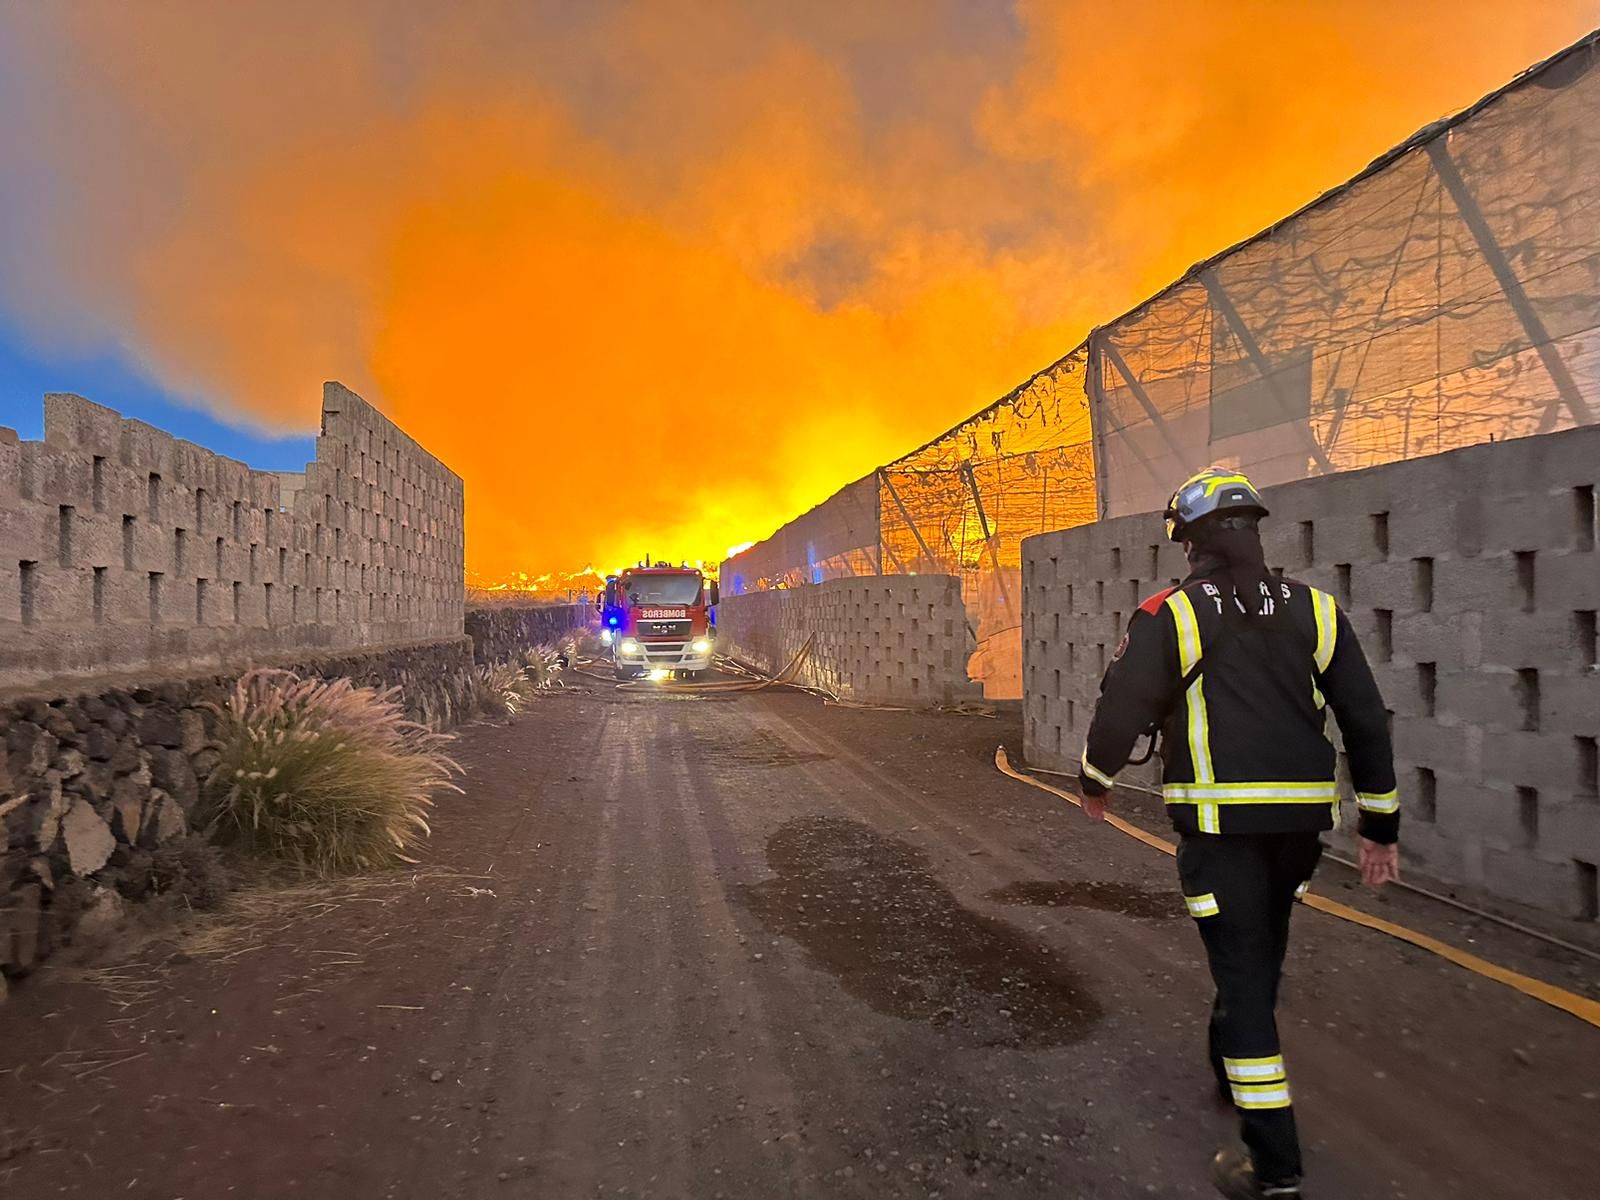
x,y
1473,581
140,576
126,549
892,639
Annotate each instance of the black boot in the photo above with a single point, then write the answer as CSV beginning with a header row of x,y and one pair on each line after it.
x,y
1234,1176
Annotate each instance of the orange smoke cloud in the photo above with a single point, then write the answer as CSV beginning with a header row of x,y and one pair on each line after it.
x,y
656,277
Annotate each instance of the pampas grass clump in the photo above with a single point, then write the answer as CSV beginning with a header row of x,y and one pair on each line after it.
x,y
501,690
542,666
329,776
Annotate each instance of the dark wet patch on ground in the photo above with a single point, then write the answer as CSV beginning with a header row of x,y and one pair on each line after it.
x,y
871,913
761,749
1128,899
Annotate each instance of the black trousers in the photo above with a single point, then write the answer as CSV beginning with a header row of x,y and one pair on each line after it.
x,y
1241,889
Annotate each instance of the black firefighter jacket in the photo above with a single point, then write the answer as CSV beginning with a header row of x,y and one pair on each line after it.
x,y
1245,745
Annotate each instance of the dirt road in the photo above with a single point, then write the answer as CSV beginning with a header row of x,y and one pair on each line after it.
x,y
760,947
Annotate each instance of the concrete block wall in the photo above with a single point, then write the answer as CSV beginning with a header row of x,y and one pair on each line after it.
x,y
1473,581
123,548
893,639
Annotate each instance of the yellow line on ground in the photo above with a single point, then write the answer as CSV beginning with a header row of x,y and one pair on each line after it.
x,y
1569,1002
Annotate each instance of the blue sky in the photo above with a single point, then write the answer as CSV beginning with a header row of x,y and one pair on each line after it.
x,y
26,374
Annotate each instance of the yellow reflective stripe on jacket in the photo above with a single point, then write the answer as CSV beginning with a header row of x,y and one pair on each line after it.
x,y
1254,1070
1202,906
1262,1095
1327,614
1379,802
1095,773
1189,648
1250,793
1188,631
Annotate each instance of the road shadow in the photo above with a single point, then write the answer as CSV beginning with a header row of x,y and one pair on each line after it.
x,y
870,912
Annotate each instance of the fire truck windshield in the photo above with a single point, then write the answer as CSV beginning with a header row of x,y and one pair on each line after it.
x,y
663,589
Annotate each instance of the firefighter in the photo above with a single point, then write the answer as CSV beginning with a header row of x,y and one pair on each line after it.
x,y
1235,669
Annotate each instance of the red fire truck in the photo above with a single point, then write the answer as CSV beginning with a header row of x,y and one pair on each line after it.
x,y
659,621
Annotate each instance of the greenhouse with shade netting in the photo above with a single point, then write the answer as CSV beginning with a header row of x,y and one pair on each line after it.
x,y
1447,296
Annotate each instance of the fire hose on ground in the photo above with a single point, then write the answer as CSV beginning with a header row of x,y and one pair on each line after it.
x,y
752,681
1570,1002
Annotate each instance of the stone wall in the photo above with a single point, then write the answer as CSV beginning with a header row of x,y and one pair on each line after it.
x,y
504,631
90,780
123,548
1473,581
895,639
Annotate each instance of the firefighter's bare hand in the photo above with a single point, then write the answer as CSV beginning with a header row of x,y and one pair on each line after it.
x,y
1379,864
1094,807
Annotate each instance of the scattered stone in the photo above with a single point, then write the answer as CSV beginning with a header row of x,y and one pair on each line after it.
x,y
39,867
174,694
171,772
100,743
161,727
127,758
59,726
163,820
128,794
34,710
1522,1056
127,812
436,1076
88,839
70,762
193,724
29,749
97,780
48,806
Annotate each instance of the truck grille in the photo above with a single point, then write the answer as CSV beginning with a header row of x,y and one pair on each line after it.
x,y
677,629
663,651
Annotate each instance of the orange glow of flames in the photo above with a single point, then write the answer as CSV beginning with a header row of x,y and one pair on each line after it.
x,y
731,260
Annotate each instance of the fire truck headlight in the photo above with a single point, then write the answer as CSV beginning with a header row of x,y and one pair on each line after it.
x,y
700,646
629,646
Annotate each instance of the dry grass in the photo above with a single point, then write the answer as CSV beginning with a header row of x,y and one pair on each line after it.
x,y
277,909
256,916
500,691
543,666
327,776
